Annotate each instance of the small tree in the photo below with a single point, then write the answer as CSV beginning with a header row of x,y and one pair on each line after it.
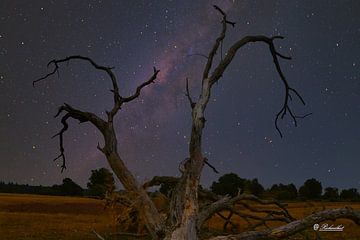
x,y
254,187
228,184
101,182
70,188
284,192
350,194
311,189
331,193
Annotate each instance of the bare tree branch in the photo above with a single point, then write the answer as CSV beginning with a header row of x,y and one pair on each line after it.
x,y
219,70
217,43
140,87
198,54
118,99
98,235
75,114
228,203
294,227
187,94
107,70
158,180
61,139
206,161
227,221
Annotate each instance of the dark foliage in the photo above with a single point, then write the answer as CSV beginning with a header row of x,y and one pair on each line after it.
x,y
101,182
67,188
231,184
312,189
350,194
331,193
70,188
284,192
228,184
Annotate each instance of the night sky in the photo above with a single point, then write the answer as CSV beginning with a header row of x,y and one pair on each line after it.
x,y
153,132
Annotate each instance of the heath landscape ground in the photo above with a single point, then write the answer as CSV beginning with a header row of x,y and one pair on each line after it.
x,y
36,217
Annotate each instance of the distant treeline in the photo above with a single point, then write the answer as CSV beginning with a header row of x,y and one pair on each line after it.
x,y
101,181
67,188
231,184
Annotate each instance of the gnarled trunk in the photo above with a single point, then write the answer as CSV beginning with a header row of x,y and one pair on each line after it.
x,y
145,205
184,206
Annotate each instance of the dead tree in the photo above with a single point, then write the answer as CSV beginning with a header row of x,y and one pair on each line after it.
x,y
106,127
186,215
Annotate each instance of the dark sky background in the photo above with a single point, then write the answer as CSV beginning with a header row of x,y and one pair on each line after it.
x,y
153,132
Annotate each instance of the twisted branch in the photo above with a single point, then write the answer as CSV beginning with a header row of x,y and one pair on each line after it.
x,y
140,87
227,203
61,143
218,41
219,70
83,116
294,227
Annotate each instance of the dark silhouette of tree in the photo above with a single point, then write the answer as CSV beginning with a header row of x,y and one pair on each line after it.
x,y
67,188
350,194
331,193
311,189
101,182
228,184
231,184
284,192
186,214
70,188
253,187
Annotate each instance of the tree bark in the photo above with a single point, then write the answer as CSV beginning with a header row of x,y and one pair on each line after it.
x,y
147,208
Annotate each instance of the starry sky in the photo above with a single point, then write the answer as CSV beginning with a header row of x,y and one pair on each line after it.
x,y
153,131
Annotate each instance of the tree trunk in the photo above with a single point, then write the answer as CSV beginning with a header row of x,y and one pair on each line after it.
x,y
146,207
184,207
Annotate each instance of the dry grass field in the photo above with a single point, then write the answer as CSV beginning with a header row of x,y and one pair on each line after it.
x,y
300,210
35,217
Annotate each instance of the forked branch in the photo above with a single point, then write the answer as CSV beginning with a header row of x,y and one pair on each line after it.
x,y
159,180
82,116
218,42
224,62
118,99
61,141
231,204
219,70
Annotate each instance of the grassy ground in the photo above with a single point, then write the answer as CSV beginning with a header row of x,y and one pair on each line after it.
x,y
34,217
30,217
300,210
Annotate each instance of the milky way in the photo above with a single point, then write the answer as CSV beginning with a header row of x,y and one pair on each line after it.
x,y
153,131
